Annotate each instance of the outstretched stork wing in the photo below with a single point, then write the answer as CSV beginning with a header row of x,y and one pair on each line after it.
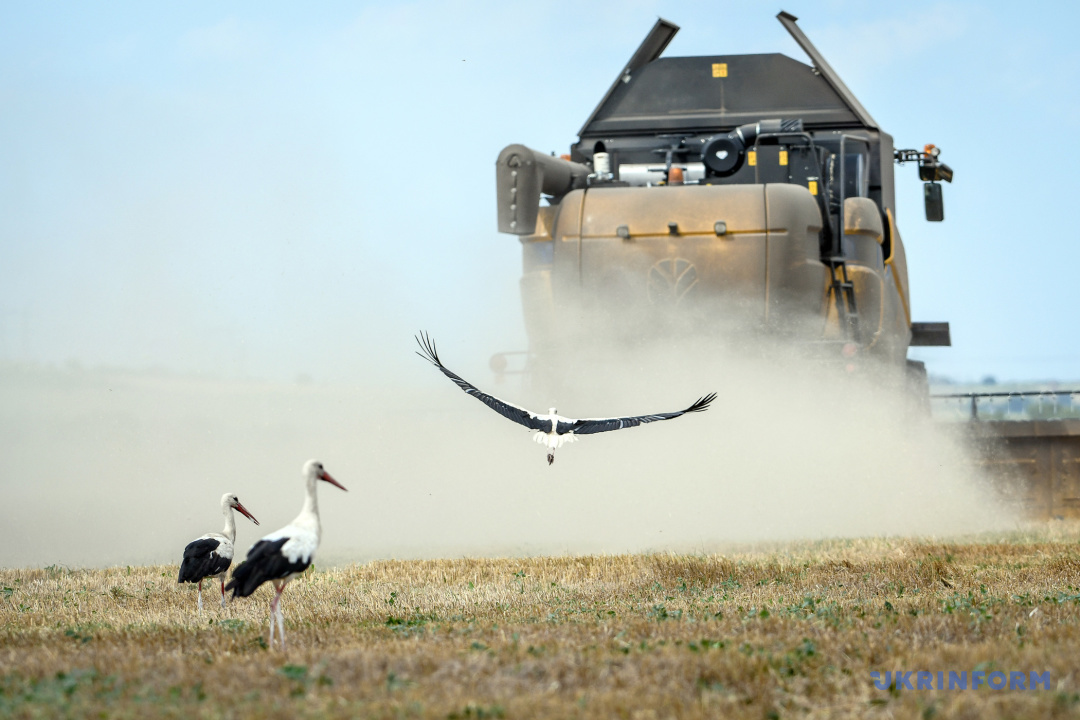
x,y
512,412
589,426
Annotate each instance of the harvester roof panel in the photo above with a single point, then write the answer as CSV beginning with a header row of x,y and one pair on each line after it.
x,y
718,93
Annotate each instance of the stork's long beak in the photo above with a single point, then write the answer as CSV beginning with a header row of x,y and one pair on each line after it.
x,y
244,511
326,476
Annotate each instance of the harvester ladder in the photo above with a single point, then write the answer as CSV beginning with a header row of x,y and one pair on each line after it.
x,y
843,293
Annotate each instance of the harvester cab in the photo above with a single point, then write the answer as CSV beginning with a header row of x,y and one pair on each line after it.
x,y
728,192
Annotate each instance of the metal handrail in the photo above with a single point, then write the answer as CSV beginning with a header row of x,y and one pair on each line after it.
x,y
975,396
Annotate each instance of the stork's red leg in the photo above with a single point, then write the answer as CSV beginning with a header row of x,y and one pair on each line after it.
x,y
275,611
275,614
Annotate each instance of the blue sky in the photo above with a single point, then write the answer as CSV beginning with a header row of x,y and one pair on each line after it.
x,y
262,190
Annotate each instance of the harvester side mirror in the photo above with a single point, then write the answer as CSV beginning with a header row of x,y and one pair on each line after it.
x,y
933,172
935,205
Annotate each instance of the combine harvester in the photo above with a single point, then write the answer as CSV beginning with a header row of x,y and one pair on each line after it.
x,y
753,190
728,193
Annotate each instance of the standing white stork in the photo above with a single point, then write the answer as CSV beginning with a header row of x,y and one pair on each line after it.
x,y
279,556
551,429
211,554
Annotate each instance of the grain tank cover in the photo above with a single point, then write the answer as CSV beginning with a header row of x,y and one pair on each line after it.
x,y
718,92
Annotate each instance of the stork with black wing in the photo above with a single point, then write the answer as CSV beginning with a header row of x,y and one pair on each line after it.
x,y
551,428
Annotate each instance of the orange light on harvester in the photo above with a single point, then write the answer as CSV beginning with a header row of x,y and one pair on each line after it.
x,y
675,176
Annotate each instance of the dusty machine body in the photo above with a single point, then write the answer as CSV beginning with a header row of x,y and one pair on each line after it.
x,y
743,193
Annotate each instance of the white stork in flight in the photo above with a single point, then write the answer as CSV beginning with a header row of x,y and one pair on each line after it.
x,y
283,554
210,555
551,429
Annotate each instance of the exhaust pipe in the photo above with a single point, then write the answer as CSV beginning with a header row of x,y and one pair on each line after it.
x,y
521,175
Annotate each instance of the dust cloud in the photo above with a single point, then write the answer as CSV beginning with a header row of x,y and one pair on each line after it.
x,y
113,467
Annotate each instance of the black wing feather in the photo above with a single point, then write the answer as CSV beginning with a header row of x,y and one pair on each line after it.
x,y
588,426
264,562
201,560
512,412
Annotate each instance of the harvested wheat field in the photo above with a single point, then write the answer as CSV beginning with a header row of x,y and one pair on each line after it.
x,y
784,631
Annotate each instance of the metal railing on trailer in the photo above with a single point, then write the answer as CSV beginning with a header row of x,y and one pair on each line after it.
x,y
1018,405
1025,442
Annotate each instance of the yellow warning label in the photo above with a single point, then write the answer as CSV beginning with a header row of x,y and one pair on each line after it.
x,y
813,187
719,69
751,158
783,157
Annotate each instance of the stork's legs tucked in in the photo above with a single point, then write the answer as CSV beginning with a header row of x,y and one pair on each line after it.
x,y
553,441
200,596
275,613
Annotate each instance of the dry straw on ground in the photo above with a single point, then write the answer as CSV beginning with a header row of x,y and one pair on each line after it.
x,y
792,630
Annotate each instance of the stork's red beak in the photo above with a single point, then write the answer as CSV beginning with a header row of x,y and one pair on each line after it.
x,y
244,511
326,476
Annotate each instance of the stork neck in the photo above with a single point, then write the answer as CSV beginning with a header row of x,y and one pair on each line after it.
x,y
230,524
311,500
